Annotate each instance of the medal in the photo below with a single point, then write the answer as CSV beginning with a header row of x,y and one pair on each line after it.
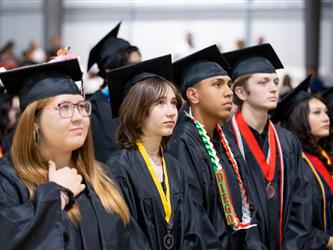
x,y
270,191
241,128
168,240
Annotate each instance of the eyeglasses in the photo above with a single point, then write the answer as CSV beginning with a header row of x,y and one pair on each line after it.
x,y
66,109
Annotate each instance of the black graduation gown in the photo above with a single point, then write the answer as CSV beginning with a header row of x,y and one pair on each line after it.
x,y
187,147
103,127
296,197
7,142
42,224
189,228
319,238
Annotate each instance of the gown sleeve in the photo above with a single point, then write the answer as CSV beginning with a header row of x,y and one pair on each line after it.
x,y
300,220
25,224
319,238
137,239
198,230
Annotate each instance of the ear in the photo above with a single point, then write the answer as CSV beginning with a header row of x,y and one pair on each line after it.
x,y
36,124
241,93
192,95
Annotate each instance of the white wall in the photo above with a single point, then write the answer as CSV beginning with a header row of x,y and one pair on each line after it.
x,y
157,28
21,21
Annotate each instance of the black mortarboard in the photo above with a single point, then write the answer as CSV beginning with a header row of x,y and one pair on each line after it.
x,y
3,94
198,66
36,82
256,59
120,80
327,92
107,46
328,96
290,100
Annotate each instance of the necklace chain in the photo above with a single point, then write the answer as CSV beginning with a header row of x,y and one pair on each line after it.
x,y
155,159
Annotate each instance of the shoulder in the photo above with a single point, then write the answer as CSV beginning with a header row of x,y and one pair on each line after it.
x,y
287,139
96,96
175,169
10,183
172,162
6,167
185,133
121,160
308,172
228,130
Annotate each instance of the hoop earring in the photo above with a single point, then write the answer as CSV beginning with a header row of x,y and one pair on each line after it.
x,y
35,135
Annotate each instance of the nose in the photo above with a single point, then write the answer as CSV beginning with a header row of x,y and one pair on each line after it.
x,y
228,92
76,114
326,117
273,87
171,110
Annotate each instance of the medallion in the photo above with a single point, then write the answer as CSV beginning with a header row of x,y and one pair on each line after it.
x,y
270,191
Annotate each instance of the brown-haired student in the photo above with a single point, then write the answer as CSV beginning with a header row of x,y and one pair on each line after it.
x,y
153,183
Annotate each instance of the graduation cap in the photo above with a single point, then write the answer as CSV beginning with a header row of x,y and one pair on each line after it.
x,y
256,59
107,46
198,66
120,80
39,81
3,94
290,100
328,96
2,90
328,92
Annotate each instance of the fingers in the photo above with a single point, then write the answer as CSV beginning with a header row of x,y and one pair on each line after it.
x,y
66,177
74,170
79,178
82,187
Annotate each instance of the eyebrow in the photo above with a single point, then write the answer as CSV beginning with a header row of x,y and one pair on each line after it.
x,y
61,102
268,79
218,80
318,108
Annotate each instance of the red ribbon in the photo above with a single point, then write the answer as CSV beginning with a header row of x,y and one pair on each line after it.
x,y
321,169
268,170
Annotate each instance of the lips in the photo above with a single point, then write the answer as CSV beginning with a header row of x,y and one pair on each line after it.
x,y
326,126
76,129
169,123
228,104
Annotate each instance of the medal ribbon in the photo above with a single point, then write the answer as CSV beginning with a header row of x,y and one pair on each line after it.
x,y
236,127
165,198
267,165
321,169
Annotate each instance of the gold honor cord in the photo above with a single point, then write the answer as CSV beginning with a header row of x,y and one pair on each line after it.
x,y
323,152
164,198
